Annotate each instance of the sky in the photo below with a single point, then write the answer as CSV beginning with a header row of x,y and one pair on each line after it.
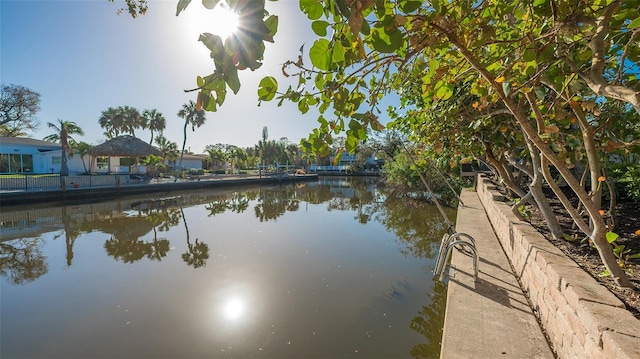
x,y
83,58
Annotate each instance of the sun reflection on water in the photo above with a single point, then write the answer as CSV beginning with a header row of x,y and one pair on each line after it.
x,y
234,308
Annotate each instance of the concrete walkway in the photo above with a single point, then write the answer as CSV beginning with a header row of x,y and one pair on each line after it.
x,y
490,318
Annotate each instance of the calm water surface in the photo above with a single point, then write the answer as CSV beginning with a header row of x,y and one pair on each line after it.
x,y
332,269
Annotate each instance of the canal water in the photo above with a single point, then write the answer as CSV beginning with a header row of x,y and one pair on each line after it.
x,y
339,268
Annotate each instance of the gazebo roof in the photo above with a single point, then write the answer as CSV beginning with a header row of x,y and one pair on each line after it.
x,y
124,146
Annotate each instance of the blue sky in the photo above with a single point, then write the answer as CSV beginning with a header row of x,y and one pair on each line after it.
x,y
83,58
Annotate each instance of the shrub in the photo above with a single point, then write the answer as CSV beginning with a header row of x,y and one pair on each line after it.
x,y
625,178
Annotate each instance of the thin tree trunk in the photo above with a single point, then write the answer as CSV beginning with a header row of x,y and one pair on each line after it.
x,y
598,236
184,144
502,172
538,195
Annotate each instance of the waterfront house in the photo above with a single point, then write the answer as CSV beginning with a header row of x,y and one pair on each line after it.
x,y
190,162
28,155
121,154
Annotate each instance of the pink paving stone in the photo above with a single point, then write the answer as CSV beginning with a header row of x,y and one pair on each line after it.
x,y
578,285
620,346
598,318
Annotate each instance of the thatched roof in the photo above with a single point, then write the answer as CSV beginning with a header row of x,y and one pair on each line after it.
x,y
124,146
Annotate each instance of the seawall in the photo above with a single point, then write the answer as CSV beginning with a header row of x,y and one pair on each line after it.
x,y
581,317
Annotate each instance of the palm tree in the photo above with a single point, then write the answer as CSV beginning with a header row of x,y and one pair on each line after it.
x,y
169,149
132,120
262,146
82,148
124,119
64,130
155,122
112,121
191,117
217,157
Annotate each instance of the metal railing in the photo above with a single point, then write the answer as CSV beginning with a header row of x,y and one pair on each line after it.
x,y
463,242
44,182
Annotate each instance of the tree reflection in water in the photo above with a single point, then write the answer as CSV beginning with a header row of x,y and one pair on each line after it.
x,y
21,260
125,244
274,203
237,203
72,230
197,253
429,322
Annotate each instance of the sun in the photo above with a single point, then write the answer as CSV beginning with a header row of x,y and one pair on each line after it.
x,y
221,20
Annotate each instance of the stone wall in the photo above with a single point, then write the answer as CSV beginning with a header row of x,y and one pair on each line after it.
x,y
581,317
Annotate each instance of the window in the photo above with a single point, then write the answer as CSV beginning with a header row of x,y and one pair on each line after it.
x,y
56,160
27,163
15,163
102,163
4,163
127,161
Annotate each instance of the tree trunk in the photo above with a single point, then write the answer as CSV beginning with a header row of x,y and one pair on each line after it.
x,y
538,195
64,167
598,234
502,172
184,144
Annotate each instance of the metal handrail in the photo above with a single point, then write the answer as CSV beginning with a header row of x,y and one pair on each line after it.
x,y
444,253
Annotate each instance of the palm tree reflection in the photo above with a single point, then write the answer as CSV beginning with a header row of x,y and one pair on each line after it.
x,y
275,203
21,260
125,245
197,253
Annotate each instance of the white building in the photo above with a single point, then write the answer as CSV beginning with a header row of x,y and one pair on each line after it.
x,y
28,155
188,162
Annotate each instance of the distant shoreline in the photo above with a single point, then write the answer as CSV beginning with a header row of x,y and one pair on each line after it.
x,y
74,195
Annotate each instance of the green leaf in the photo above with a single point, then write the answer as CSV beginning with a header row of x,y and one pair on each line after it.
x,y
182,4
351,144
506,87
568,237
386,42
222,94
337,53
303,106
320,54
272,24
444,90
214,44
312,8
584,55
530,69
267,88
207,102
633,24
408,6
529,55
634,256
611,237
320,27
354,125
436,5
231,78
210,4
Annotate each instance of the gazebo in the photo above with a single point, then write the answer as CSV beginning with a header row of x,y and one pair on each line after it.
x,y
122,146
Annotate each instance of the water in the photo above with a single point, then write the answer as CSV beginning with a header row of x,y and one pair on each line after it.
x,y
333,269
